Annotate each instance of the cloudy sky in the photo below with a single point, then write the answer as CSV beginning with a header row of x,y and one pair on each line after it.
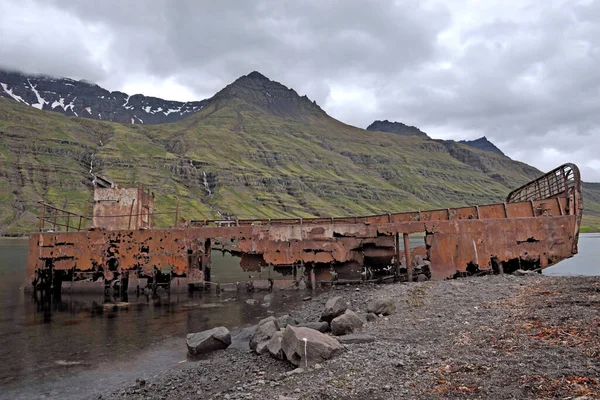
x,y
526,74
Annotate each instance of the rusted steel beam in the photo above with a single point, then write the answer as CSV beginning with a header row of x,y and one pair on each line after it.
x,y
458,240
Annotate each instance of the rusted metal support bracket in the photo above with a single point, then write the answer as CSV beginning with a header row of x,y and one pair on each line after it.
x,y
131,212
397,245
560,207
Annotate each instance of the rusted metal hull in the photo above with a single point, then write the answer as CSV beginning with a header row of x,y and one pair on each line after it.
x,y
529,234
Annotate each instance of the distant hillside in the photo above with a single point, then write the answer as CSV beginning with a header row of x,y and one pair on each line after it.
x,y
255,150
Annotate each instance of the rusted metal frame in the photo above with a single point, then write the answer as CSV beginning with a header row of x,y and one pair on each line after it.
x,y
131,212
560,207
566,171
397,245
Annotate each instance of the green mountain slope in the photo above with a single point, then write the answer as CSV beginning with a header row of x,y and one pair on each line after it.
x,y
257,150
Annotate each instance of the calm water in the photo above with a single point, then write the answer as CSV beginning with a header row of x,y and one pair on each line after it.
x,y
93,344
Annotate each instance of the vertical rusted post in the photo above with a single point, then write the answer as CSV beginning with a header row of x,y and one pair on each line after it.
x,y
176,211
532,208
407,256
131,212
505,210
397,245
560,209
313,278
68,221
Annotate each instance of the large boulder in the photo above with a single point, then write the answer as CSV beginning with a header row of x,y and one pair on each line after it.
x,y
385,306
286,320
241,339
271,318
346,323
335,306
206,341
305,346
274,346
321,326
264,332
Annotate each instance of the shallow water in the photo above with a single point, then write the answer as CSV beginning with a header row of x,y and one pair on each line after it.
x,y
97,342
83,346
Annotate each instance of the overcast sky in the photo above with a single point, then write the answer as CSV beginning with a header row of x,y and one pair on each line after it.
x,y
526,74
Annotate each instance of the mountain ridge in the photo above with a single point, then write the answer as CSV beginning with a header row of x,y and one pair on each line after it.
x,y
85,99
240,156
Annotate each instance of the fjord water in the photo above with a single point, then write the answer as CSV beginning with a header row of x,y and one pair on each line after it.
x,y
83,346
96,343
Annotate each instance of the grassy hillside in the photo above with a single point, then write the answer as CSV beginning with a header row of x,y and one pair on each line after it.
x,y
236,158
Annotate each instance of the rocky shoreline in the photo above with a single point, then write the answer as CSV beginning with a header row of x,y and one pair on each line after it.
x,y
499,337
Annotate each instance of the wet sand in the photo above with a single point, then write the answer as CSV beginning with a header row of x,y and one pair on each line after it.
x,y
500,337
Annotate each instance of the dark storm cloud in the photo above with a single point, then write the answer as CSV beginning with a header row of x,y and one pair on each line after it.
x,y
523,73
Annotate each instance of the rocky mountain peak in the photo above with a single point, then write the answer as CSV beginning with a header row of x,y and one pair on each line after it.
x,y
270,97
396,127
483,144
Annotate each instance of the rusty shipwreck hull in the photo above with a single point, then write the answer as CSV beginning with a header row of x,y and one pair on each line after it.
x,y
536,227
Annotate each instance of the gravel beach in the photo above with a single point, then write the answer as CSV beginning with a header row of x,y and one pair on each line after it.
x,y
500,337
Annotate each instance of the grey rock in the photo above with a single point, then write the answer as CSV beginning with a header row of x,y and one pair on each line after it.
x,y
522,272
334,307
346,323
274,346
262,347
422,278
265,320
251,302
371,317
384,306
286,320
264,332
206,341
295,371
241,339
305,346
354,338
321,326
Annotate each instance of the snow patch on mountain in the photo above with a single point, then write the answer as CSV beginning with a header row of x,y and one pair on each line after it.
x,y
41,101
11,94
